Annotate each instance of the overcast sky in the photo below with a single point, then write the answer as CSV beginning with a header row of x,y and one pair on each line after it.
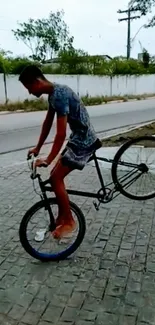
x,y
93,23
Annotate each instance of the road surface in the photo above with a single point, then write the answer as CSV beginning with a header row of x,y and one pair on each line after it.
x,y
21,130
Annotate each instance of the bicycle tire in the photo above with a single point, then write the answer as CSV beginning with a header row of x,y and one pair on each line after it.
x,y
51,257
115,163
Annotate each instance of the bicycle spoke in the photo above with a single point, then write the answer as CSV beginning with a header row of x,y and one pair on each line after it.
x,y
126,176
133,159
132,181
46,243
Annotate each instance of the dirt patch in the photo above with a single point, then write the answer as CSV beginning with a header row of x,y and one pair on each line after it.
x,y
119,139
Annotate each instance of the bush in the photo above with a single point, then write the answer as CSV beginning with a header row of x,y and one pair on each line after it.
x,y
80,65
18,64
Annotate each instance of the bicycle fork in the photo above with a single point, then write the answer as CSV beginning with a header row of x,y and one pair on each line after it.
x,y
52,225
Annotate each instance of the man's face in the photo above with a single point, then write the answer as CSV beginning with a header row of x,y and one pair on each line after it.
x,y
35,88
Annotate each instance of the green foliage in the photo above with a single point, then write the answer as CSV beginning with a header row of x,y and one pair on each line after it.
x,y
44,37
146,58
74,61
79,62
127,67
1,64
10,65
4,63
49,38
4,69
18,64
144,6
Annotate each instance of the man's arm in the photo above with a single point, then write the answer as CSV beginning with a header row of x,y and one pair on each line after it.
x,y
46,126
59,138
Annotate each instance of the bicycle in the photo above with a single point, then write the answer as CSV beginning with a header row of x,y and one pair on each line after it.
x,y
104,195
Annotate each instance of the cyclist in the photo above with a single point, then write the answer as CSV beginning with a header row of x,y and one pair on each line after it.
x,y
82,142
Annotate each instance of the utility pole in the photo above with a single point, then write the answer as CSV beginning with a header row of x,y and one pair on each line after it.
x,y
129,18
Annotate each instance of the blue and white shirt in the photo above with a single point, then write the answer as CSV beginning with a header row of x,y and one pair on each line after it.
x,y
65,102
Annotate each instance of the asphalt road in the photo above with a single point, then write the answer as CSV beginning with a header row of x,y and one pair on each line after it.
x,y
21,130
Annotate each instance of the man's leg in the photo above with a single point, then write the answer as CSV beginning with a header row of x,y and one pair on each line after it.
x,y
65,221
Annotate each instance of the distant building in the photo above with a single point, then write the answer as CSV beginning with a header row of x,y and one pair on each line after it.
x,y
57,60
140,56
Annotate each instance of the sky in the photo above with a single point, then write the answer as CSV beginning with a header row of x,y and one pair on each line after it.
x,y
93,23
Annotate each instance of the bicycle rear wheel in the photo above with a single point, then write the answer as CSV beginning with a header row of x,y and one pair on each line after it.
x,y
37,239
133,168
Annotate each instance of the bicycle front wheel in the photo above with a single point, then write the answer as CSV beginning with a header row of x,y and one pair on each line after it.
x,y
133,168
36,237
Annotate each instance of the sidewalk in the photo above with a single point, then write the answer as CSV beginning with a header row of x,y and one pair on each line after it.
x,y
109,280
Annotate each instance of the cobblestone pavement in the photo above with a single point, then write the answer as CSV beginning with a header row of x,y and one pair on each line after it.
x,y
109,280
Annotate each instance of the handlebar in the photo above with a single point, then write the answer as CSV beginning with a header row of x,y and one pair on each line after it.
x,y
32,165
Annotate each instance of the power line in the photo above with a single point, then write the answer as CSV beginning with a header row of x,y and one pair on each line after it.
x,y
137,33
128,19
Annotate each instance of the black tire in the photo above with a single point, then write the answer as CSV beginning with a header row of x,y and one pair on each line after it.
x,y
115,164
54,257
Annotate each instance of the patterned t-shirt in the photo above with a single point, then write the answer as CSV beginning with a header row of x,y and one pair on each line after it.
x,y
65,102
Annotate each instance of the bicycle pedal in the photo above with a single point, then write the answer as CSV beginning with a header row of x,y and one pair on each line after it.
x,y
96,206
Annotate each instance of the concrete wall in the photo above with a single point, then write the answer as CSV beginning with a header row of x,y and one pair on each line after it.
x,y
85,85
2,91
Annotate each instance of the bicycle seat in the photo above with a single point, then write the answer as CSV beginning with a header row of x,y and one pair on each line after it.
x,y
97,145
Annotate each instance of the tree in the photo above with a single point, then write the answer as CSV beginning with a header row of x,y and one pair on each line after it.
x,y
44,37
74,61
146,58
144,6
4,69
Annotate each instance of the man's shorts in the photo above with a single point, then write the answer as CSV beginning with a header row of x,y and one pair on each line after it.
x,y
76,158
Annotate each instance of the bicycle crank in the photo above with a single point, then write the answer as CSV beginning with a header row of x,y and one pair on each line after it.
x,y
104,198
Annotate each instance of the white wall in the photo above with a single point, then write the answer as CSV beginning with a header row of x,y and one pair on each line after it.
x,y
94,86
2,91
85,85
133,85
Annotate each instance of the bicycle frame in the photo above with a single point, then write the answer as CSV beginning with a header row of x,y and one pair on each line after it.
x,y
104,195
45,188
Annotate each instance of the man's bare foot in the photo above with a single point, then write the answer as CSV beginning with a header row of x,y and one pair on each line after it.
x,y
64,229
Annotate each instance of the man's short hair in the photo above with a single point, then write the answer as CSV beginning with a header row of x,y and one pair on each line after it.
x,y
30,74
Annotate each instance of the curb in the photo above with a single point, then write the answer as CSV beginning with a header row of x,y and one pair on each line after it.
x,y
101,134
15,112
104,103
128,129
126,101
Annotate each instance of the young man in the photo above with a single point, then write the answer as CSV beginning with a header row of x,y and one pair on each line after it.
x,y
81,144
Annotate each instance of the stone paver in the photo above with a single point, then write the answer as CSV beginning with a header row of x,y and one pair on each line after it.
x,y
110,279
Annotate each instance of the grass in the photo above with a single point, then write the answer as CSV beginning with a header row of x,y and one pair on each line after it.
x,y
41,104
26,106
105,99
119,139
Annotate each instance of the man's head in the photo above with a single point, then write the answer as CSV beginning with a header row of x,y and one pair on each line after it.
x,y
33,79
